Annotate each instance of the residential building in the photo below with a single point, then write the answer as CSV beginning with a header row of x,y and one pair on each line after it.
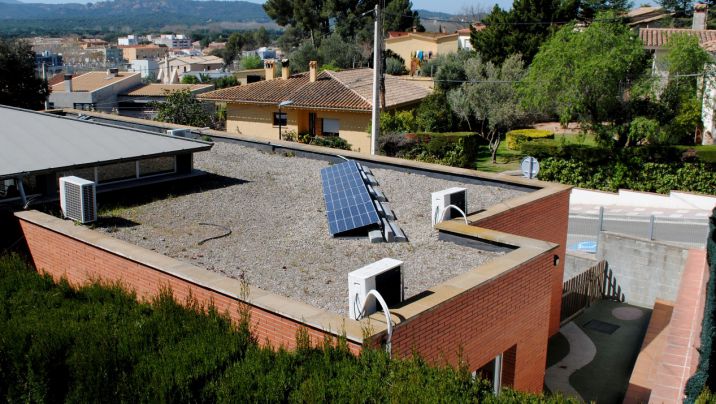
x,y
138,101
50,62
148,68
172,41
171,70
418,47
463,39
113,55
646,17
323,104
656,39
93,91
87,43
129,40
141,52
263,52
249,76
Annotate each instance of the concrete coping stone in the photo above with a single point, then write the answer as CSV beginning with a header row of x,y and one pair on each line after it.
x,y
300,312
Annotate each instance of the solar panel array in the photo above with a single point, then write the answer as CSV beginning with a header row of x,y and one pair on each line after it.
x,y
348,203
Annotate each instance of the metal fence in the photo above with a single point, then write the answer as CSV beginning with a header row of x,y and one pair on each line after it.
x,y
583,233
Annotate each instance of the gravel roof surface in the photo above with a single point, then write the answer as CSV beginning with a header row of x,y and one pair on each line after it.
x,y
280,240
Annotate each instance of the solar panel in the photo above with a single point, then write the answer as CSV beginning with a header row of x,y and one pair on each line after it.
x,y
348,203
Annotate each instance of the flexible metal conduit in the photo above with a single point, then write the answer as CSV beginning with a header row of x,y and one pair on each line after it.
x,y
442,216
380,300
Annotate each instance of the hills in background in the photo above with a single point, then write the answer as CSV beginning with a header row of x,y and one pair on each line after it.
x,y
127,16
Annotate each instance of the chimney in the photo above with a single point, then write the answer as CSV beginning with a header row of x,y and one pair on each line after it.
x,y
700,12
68,83
312,69
269,69
112,72
285,72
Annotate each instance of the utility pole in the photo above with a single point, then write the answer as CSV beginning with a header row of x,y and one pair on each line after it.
x,y
44,78
377,70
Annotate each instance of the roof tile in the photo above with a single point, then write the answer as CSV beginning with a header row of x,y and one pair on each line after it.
x,y
348,89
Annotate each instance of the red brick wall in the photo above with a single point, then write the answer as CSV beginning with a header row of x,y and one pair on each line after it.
x,y
512,309
78,262
544,219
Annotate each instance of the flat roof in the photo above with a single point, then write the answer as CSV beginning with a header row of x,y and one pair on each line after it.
x,y
92,81
36,142
162,90
273,204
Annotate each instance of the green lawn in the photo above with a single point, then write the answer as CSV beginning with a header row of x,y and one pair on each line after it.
x,y
506,159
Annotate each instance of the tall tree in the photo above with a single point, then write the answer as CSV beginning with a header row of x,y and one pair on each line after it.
x,y
18,85
399,16
316,19
522,29
490,98
585,75
182,108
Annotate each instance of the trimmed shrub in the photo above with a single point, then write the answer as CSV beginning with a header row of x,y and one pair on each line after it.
x,y
457,149
334,142
632,173
515,138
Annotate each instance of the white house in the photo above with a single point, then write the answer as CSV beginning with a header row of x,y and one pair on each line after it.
x,y
655,39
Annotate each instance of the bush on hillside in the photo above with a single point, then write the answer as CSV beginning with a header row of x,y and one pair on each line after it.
x,y
97,344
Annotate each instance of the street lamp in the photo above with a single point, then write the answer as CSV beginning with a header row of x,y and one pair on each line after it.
x,y
282,104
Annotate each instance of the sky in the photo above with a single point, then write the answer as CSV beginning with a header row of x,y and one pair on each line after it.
x,y
447,6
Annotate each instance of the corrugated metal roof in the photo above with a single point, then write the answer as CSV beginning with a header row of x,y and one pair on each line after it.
x,y
39,142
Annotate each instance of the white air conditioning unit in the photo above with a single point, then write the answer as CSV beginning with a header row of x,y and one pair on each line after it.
x,y
385,276
442,199
180,133
78,199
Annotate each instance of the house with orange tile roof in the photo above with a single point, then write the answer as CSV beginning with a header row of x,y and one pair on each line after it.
x,y
95,91
656,40
324,103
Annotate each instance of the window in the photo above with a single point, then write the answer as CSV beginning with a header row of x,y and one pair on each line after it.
x,y
331,127
280,118
156,166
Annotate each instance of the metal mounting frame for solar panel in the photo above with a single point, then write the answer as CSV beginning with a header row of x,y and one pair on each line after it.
x,y
348,203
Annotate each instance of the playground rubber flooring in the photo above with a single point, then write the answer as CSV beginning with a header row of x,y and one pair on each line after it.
x,y
594,354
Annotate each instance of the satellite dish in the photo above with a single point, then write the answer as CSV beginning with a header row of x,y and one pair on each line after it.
x,y
530,167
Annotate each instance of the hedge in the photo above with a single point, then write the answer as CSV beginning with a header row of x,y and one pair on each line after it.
x,y
458,149
702,378
631,174
98,344
515,138
596,154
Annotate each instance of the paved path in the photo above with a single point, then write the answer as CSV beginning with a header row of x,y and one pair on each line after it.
x,y
581,352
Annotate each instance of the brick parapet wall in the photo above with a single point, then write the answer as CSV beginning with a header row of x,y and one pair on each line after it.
x,y
544,217
62,256
475,326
